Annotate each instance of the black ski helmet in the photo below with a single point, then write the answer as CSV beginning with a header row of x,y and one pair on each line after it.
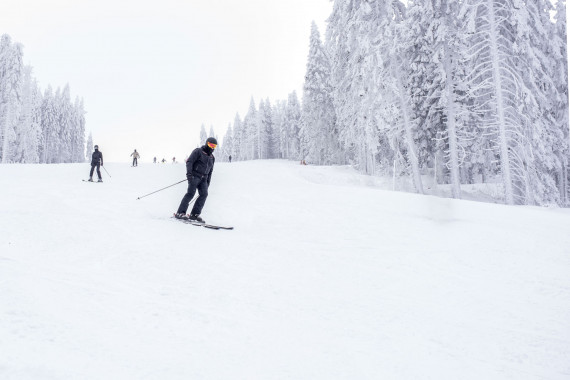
x,y
212,140
96,147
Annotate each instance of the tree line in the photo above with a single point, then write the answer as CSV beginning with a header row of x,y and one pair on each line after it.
x,y
36,126
464,90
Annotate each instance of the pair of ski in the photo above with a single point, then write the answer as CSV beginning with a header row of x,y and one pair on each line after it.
x,y
86,180
206,225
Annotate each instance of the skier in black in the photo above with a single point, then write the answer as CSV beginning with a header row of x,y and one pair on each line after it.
x,y
96,160
199,168
135,155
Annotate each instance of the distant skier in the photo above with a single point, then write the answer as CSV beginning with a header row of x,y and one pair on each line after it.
x,y
135,155
96,161
230,158
173,160
199,168
154,160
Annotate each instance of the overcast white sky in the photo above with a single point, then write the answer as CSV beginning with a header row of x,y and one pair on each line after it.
x,y
151,74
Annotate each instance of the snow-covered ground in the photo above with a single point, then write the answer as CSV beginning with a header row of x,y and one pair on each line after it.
x,y
327,275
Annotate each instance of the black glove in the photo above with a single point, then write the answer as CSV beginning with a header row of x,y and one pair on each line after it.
x,y
189,177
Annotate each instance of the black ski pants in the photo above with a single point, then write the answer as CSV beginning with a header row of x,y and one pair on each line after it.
x,y
194,183
135,162
93,168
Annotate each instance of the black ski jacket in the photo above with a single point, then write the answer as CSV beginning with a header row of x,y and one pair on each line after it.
x,y
200,164
96,158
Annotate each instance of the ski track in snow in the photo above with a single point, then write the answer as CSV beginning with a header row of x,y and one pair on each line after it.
x,y
327,275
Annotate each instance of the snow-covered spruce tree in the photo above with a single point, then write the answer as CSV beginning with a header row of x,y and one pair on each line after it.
x,y
292,127
11,73
238,137
319,138
263,123
514,88
28,129
495,84
78,131
561,107
50,130
338,49
65,122
228,145
539,54
370,98
267,129
434,41
89,147
279,128
416,36
367,84
251,130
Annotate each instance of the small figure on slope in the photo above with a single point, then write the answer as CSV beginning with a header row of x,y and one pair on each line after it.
x,y
96,161
199,168
135,155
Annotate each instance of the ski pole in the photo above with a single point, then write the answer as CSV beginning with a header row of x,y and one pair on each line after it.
x,y
161,189
106,171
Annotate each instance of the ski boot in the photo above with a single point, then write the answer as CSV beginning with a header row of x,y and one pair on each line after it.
x,y
196,218
181,215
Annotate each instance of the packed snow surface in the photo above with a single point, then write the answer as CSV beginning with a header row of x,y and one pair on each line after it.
x,y
327,275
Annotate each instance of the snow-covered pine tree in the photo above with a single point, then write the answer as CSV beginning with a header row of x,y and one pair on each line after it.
x,y
28,129
261,133
269,128
66,125
440,101
293,126
228,144
265,129
251,130
238,137
338,48
496,84
539,52
319,141
50,136
11,73
279,129
89,147
79,131
559,40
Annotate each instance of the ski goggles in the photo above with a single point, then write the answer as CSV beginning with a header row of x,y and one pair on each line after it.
x,y
213,146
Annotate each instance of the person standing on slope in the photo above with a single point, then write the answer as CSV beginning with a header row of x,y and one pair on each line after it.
x,y
96,161
199,168
135,155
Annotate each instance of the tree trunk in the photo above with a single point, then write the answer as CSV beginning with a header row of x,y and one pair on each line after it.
x,y
412,156
502,124
450,111
6,140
